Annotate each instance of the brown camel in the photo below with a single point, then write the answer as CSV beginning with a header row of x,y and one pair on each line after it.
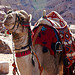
x,y
52,64
14,20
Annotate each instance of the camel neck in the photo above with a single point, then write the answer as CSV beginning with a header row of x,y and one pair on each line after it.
x,y
20,40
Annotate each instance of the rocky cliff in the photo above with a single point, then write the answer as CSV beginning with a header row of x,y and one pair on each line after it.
x,y
66,8
4,48
3,11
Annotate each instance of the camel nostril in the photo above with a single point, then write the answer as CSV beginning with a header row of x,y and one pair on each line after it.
x,y
5,23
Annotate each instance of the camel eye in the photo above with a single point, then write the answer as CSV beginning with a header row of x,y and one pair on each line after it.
x,y
9,16
22,18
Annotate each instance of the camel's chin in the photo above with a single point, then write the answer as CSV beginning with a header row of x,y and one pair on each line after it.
x,y
6,25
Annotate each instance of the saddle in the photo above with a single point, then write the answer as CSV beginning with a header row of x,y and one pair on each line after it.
x,y
46,35
65,35
54,26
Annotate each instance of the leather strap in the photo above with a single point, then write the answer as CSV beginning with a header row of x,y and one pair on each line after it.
x,y
24,53
35,36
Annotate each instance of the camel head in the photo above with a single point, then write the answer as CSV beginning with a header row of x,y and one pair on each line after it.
x,y
14,20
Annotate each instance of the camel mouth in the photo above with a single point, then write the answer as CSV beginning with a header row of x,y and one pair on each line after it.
x,y
6,24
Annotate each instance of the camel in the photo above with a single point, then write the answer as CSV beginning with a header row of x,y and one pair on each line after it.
x,y
17,23
26,62
49,62
52,64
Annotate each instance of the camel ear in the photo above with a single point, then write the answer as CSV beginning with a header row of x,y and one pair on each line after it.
x,y
21,16
24,13
29,17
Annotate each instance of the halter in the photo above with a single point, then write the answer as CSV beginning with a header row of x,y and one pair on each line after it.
x,y
23,53
28,45
17,17
26,24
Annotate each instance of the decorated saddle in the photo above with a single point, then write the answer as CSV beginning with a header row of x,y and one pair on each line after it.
x,y
47,36
49,31
68,42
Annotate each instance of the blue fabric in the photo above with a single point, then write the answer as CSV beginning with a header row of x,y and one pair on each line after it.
x,y
43,28
56,34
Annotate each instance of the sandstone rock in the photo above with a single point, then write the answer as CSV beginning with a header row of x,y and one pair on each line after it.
x,y
2,14
59,8
4,67
29,8
3,11
4,8
34,6
4,48
3,2
69,17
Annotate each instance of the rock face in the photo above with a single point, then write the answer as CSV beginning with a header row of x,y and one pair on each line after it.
x,y
3,11
4,48
4,67
66,8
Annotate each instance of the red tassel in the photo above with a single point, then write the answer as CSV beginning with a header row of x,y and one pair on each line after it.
x,y
67,71
14,68
8,32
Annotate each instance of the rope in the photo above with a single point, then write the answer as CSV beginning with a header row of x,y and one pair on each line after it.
x,y
14,65
38,30
40,67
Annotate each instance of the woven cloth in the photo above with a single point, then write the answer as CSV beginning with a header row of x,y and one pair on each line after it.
x,y
68,43
46,37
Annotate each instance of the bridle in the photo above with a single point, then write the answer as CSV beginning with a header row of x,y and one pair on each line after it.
x,y
17,19
26,24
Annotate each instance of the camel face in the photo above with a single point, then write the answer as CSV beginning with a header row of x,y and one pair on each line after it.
x,y
12,23
15,19
9,21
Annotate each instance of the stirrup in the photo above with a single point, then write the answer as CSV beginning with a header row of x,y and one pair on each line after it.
x,y
58,44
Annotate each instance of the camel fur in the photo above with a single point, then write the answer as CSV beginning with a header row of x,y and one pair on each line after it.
x,y
20,39
50,64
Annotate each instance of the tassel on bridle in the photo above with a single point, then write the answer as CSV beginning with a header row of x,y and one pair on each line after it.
x,y
15,69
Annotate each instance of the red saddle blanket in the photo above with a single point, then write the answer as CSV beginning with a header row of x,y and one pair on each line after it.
x,y
45,37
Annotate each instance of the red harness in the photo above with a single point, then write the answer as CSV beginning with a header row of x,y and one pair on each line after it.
x,y
24,53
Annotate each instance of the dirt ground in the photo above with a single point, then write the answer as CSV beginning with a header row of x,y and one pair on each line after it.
x,y
7,57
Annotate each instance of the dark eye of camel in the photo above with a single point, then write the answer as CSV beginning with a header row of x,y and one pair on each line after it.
x,y
9,17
